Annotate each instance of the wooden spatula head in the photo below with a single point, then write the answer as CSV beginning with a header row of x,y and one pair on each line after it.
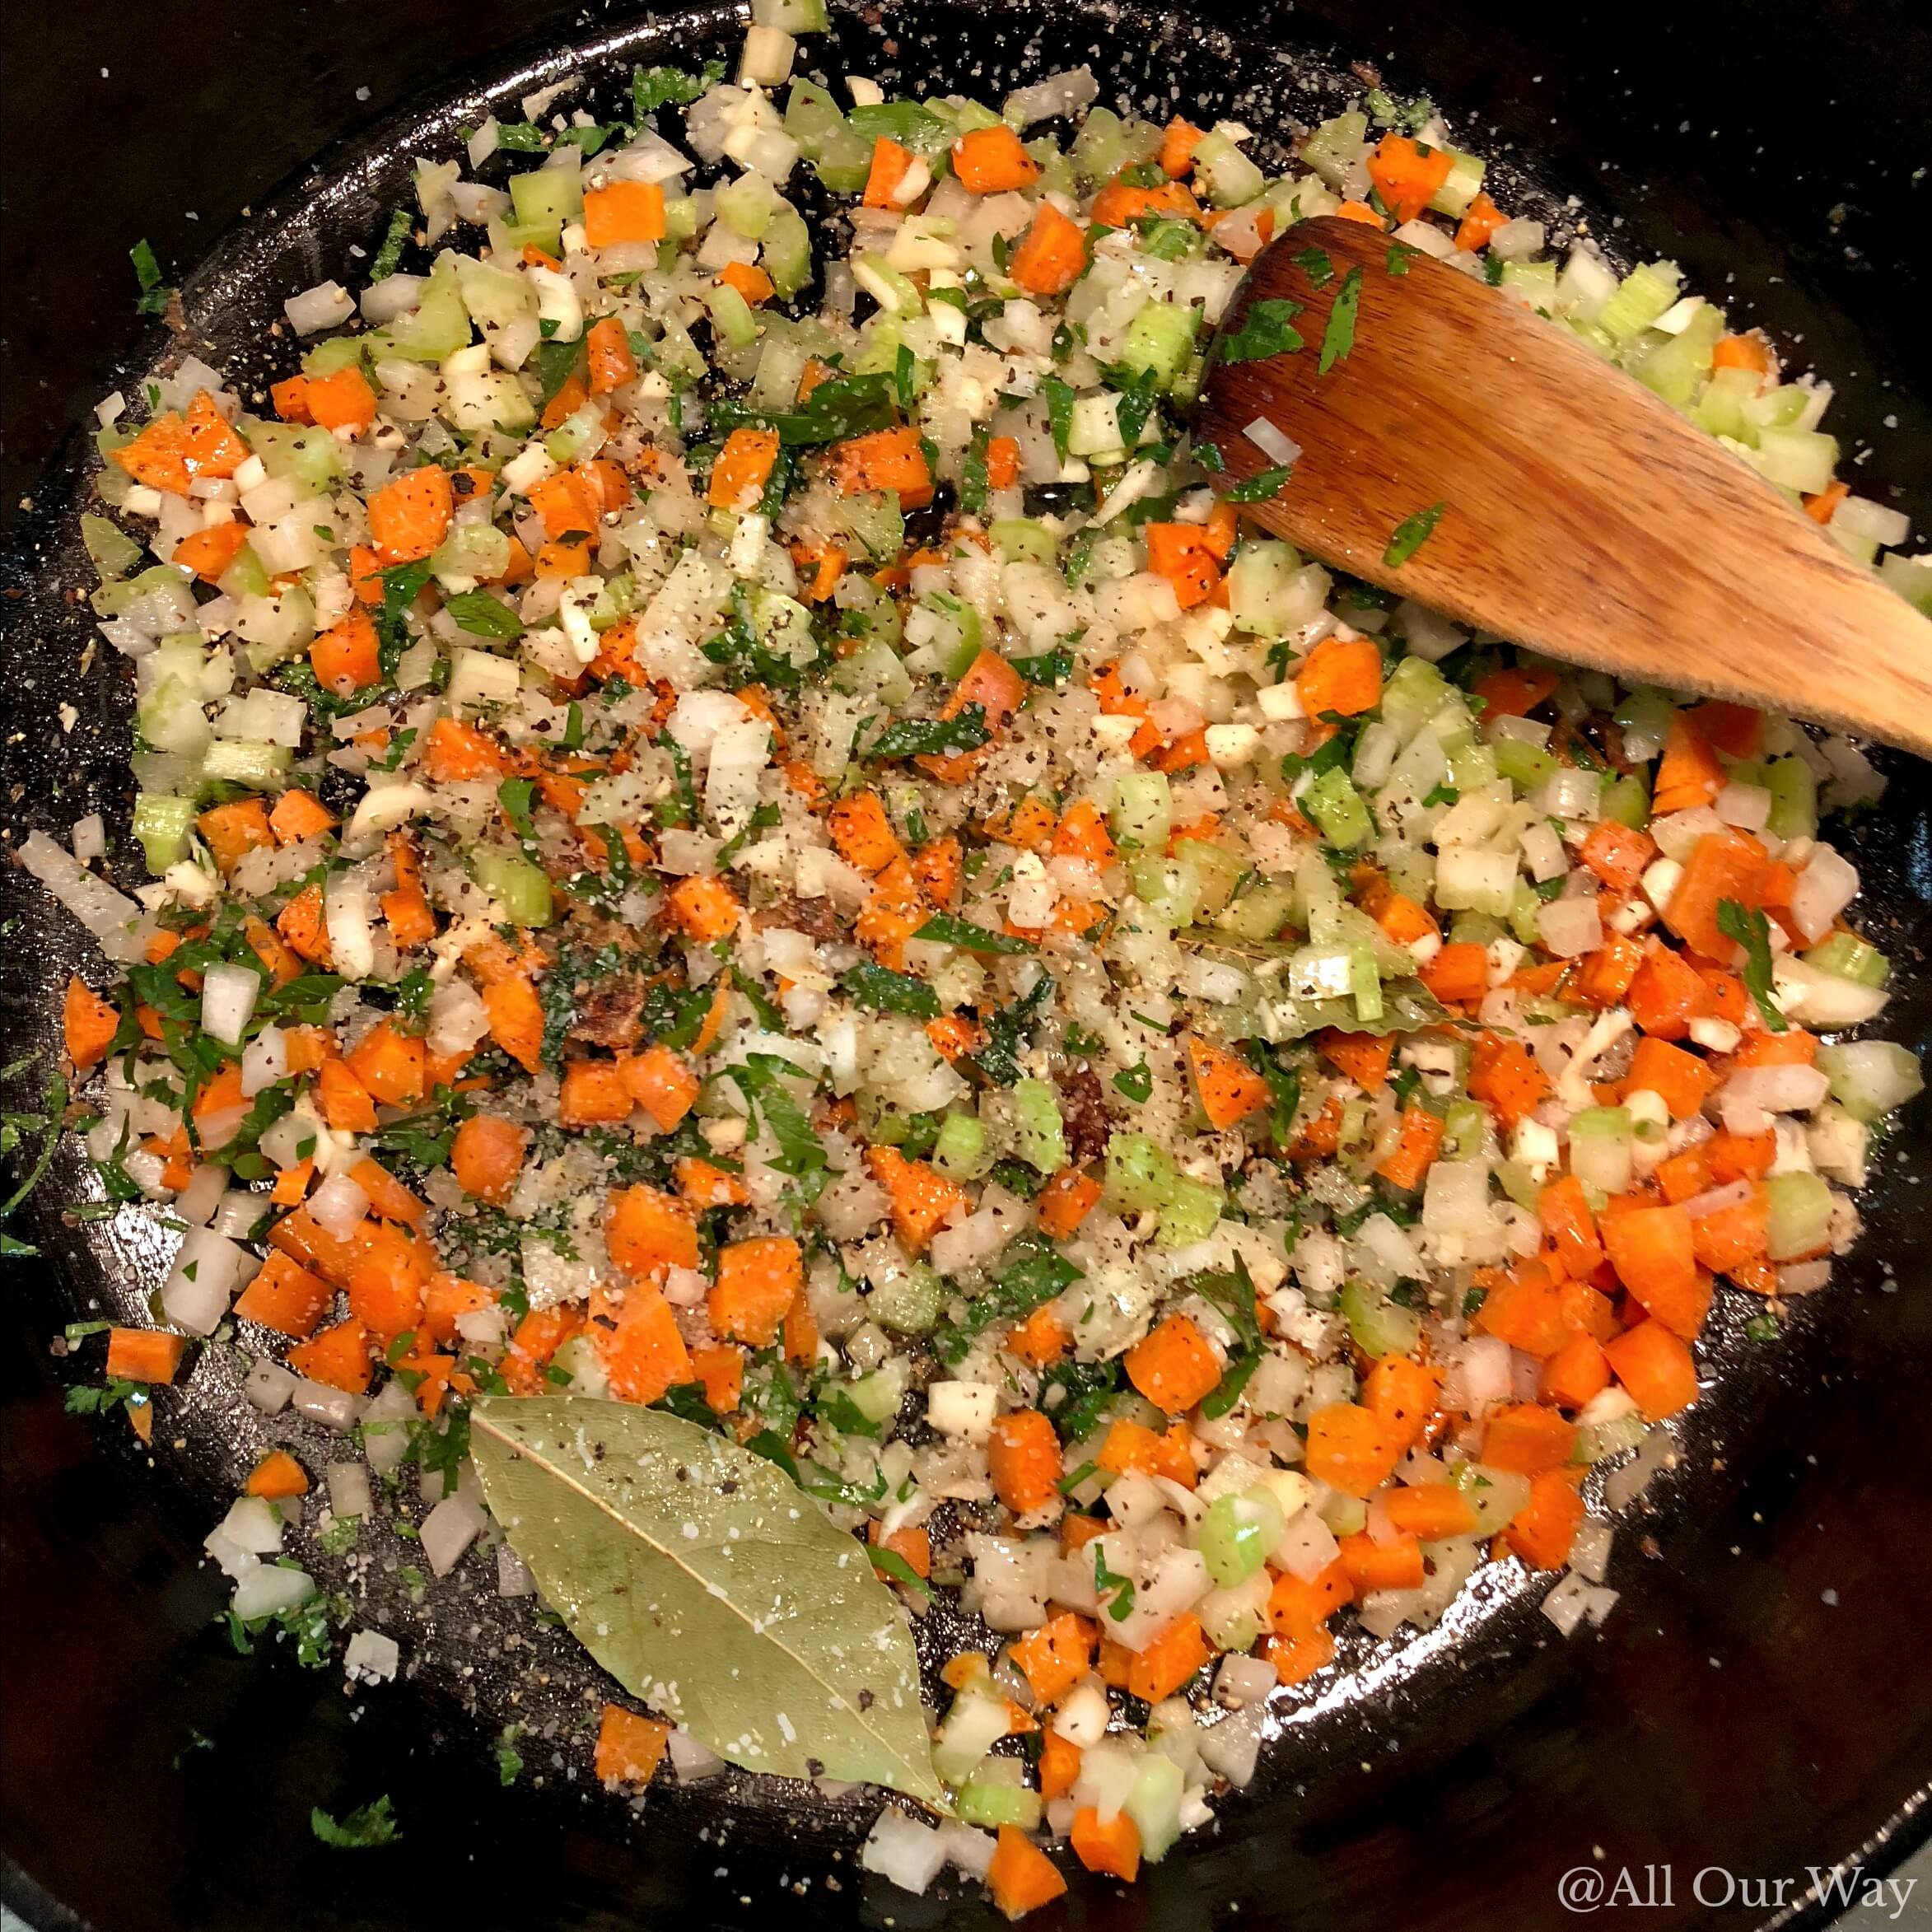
x,y
1572,510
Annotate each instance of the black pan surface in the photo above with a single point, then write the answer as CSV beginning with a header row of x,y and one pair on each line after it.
x,y
1755,1707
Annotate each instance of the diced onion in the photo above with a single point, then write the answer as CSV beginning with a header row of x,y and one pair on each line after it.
x,y
338,1206
327,305
201,1284
1277,447
109,915
228,996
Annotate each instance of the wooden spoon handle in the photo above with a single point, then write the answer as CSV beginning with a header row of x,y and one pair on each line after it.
x,y
1579,513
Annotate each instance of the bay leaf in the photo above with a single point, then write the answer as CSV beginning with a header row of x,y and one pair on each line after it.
x,y
710,1586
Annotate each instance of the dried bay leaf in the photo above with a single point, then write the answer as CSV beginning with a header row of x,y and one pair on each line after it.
x,y
711,1587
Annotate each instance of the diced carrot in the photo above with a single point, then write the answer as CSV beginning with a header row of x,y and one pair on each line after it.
x,y
1681,1080
922,1197
1459,973
1618,853
1021,1876
744,466
143,1355
1363,1057
1430,1511
539,1337
1792,1048
1164,1663
1066,1202
515,1014
1727,1237
341,399
213,449
231,832
1114,1848
750,281
706,908
1393,1565
612,364
644,1354
1735,730
758,1281
391,1064
1352,1448
1667,993
88,1024
1298,1657
1688,774
624,211
991,160
1569,1226
302,1237
388,1198
1506,1079
347,1104
1120,203
1515,691
1542,1531
1227,1087
456,753
862,833
1023,1455
1415,1149
1082,834
1055,1657
387,1282
1742,351
1181,553
298,815
703,1186
1128,1446
1002,462
912,1542
1297,1606
662,1084
278,1474
1175,1367
1528,1439
285,1296
648,1233
1654,1254
1576,1373
1739,1157
1060,1762
890,165
409,518
1404,1395
1406,174
290,399
1179,140
337,1357
594,1092
883,460
630,1746
209,552
1655,1367
721,1368
445,1298
1606,976
1481,221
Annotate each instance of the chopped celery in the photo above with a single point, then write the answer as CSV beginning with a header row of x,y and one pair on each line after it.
x,y
1600,1142
1189,1213
1238,1533
339,351
1460,188
1163,887
1139,1177
840,155
1645,719
1106,144
995,1801
110,549
1268,590
1377,1325
547,197
1336,807
247,761
1720,409
1675,367
243,577
1464,1122
731,314
162,824
1337,147
1155,1804
1142,811
1532,284
1797,1216
1523,907
435,329
1260,913
1525,765
1476,929
1641,298
961,1151
311,457
786,252
1869,1078
947,626
747,205
877,1396
873,670
1020,540
523,888
1793,787
1209,873
1159,338
1038,1137
1628,801
1229,177
910,1304
1802,459
1415,688
1847,956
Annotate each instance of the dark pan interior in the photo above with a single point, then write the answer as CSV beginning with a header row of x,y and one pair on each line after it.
x,y
1751,1706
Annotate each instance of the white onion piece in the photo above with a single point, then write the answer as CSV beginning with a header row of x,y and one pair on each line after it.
x,y
334,1408
1589,1549
513,1576
198,1200
1047,100
1277,447
394,296
1775,1089
264,1060
902,1851
1803,1277
349,1490
89,837
109,915
268,1386
203,1281
327,305
1481,1374
338,1206
1825,888
448,1529
268,1588
1571,927
228,996
1242,1681
237,1214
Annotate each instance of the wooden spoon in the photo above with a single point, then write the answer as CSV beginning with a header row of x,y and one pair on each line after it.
x,y
1574,512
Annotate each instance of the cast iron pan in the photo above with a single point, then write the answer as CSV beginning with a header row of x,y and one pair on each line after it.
x,y
1757,1704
